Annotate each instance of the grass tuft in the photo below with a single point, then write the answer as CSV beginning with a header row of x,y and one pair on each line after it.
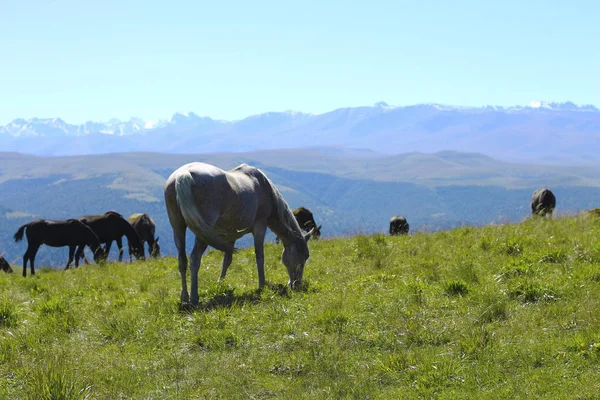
x,y
8,313
456,288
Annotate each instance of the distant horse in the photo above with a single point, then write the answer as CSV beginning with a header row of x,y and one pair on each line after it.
x,y
398,225
219,207
144,226
542,202
306,221
112,226
4,266
70,233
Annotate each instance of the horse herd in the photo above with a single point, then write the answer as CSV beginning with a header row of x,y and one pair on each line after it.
x,y
92,231
218,207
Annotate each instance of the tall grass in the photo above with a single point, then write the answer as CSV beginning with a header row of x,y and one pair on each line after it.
x,y
506,311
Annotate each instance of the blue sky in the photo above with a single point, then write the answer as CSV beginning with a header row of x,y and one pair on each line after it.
x,y
94,60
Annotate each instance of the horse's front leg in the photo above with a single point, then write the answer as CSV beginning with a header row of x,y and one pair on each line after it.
x,y
71,254
79,254
259,242
227,258
195,259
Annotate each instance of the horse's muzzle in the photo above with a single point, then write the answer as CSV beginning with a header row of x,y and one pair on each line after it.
x,y
295,283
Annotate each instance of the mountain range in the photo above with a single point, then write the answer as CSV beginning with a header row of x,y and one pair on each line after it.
x,y
546,133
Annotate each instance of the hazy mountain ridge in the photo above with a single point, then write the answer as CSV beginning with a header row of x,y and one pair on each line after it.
x,y
560,133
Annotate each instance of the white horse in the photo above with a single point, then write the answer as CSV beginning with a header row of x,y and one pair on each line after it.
x,y
219,207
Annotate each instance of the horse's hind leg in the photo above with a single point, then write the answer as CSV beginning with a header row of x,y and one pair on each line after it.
x,y
26,257
195,259
30,254
179,238
179,227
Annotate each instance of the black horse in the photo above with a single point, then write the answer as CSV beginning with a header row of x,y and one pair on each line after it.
x,y
70,233
542,202
4,266
145,228
398,225
307,222
112,226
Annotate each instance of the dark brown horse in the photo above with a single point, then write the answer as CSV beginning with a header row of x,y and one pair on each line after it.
x,y
4,266
306,221
109,227
398,225
72,233
145,228
542,202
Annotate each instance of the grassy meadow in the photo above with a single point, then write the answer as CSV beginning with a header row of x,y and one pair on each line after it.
x,y
499,312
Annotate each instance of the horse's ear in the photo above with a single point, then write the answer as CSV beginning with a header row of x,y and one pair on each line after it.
x,y
308,235
319,228
158,237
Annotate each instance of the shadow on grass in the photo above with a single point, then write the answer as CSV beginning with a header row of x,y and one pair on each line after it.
x,y
227,298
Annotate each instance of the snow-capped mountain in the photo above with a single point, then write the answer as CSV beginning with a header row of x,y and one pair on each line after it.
x,y
566,106
55,127
539,131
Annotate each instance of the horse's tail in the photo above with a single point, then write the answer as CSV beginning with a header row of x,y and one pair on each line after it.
x,y
193,217
19,235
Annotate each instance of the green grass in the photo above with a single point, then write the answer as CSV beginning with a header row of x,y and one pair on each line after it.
x,y
500,312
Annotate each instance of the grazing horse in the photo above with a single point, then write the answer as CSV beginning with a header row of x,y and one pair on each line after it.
x,y
4,266
307,222
70,233
398,225
542,202
112,226
219,207
144,226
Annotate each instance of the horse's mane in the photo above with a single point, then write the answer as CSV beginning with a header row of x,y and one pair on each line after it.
x,y
282,209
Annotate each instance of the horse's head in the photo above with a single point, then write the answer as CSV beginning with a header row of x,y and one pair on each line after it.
x,y
294,256
4,266
138,251
316,232
155,249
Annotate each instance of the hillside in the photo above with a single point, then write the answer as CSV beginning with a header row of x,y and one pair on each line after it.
x,y
506,311
555,133
348,193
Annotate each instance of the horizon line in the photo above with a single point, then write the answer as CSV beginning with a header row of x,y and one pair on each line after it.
x,y
535,104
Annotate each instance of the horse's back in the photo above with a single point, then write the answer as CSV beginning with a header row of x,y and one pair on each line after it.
x,y
398,225
212,185
134,218
218,206
305,218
